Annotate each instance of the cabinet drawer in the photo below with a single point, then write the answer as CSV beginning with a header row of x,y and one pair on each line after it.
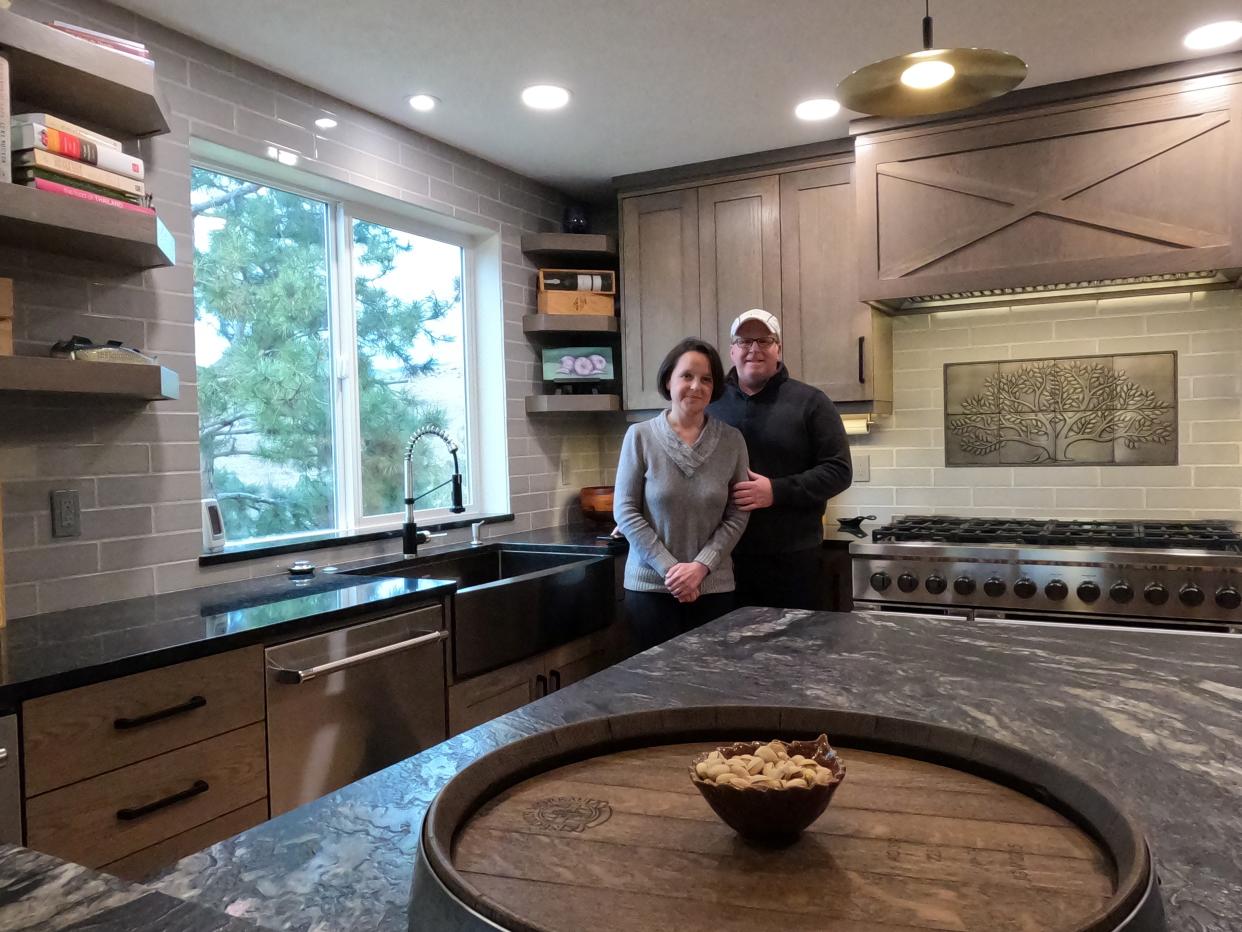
x,y
113,815
83,732
142,864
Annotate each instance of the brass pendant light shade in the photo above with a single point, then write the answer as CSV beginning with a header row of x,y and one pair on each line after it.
x,y
931,81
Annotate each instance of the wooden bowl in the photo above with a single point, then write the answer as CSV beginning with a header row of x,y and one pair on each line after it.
x,y
596,503
773,817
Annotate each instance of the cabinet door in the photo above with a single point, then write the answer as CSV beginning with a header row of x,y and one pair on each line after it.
x,y
739,253
481,698
832,340
1134,183
659,287
579,659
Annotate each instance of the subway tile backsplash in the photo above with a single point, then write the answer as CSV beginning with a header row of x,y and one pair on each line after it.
x,y
136,467
1204,328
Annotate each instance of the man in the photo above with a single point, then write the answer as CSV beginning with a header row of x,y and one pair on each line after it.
x,y
799,458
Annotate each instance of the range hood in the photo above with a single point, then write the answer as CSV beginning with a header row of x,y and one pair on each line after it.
x,y
1108,287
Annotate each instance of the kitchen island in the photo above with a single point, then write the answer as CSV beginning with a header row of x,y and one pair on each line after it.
x,y
1154,719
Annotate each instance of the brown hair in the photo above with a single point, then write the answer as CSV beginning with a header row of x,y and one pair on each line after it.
x,y
691,345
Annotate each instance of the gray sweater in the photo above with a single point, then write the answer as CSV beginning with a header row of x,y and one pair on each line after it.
x,y
672,502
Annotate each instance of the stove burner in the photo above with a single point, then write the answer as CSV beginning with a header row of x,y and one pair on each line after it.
x,y
1150,535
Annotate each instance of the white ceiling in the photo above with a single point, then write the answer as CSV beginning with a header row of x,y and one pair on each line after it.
x,y
655,82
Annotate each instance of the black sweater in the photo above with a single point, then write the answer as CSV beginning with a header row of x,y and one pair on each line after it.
x,y
795,437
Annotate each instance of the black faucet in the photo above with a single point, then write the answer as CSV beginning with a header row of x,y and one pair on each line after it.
x,y
411,536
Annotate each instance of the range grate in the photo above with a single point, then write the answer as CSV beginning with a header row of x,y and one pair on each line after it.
x,y
1153,535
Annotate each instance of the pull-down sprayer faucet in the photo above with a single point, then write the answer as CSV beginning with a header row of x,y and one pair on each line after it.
x,y
411,536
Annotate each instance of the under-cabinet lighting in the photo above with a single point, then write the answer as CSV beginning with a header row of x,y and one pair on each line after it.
x,y
1099,287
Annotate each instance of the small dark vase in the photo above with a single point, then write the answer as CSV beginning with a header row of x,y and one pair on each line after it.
x,y
575,220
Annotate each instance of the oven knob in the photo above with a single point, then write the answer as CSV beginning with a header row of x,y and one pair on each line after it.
x,y
907,582
936,584
1228,597
880,581
1056,590
963,585
1121,592
1156,594
1025,588
1190,595
1088,591
995,587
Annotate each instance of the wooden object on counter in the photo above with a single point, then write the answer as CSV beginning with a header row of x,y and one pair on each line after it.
x,y
6,317
916,837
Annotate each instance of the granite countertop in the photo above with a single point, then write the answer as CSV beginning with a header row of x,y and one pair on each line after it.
x,y
1154,719
40,654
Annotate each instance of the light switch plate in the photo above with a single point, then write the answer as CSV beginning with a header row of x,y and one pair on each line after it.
x,y
66,513
862,468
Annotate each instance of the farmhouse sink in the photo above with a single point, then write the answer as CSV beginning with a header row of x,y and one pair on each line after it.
x,y
511,604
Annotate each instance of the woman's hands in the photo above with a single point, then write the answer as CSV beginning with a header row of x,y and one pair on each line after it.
x,y
684,579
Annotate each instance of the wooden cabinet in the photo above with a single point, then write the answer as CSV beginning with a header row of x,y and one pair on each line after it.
x,y
739,253
482,698
659,286
1131,183
139,771
832,340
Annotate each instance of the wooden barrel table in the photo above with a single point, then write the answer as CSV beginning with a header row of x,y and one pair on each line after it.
x,y
596,827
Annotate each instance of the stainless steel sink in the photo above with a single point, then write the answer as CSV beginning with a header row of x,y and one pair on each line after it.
x,y
511,604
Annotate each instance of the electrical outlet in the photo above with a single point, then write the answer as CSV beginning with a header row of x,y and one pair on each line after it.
x,y
862,468
66,514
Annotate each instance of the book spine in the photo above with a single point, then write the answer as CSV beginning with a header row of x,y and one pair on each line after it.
x,y
58,163
58,142
26,174
55,187
6,129
51,122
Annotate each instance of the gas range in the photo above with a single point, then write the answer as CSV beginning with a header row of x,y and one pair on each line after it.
x,y
1186,573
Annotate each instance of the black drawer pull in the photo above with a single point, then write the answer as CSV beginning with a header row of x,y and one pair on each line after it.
x,y
127,815
194,702
554,679
861,375
541,686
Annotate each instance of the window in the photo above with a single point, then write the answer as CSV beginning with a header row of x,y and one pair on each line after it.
x,y
327,333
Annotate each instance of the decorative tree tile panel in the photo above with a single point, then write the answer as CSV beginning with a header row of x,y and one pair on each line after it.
x,y
1116,410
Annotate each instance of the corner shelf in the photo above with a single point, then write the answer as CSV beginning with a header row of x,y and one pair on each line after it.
x,y
79,377
568,404
80,81
542,325
33,219
551,249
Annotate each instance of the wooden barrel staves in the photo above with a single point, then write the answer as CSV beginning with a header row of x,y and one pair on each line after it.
x,y
596,827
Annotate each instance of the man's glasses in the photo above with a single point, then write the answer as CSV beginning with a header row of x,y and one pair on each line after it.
x,y
762,342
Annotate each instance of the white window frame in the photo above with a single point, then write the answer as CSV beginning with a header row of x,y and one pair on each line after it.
x,y
486,490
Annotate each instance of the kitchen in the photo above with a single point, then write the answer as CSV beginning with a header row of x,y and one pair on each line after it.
x,y
138,470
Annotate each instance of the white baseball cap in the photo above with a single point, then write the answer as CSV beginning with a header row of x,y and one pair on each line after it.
x,y
759,314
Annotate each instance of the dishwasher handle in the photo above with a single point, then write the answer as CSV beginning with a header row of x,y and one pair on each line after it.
x,y
294,677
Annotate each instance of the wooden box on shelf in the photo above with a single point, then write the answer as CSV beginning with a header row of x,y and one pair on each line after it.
x,y
577,291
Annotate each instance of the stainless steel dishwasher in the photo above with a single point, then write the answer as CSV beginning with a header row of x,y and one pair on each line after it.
x,y
346,703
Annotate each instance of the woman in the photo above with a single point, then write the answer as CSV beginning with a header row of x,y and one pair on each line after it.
x,y
672,502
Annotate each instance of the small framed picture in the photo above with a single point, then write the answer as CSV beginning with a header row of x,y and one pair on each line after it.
x,y
577,364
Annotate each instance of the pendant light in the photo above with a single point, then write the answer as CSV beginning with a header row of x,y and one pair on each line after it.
x,y
932,80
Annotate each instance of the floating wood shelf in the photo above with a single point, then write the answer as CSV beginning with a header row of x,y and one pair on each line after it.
x,y
79,81
32,219
574,248
78,377
567,404
536,325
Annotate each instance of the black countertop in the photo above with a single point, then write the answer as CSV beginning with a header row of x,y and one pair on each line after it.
x,y
41,654
1154,719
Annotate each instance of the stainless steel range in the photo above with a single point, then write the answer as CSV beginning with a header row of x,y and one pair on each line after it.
x,y
1183,574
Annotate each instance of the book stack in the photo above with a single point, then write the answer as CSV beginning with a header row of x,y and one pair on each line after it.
x,y
54,155
127,47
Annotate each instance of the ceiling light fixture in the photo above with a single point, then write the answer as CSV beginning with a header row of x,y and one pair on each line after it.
x,y
326,122
423,102
1214,35
819,108
545,97
932,80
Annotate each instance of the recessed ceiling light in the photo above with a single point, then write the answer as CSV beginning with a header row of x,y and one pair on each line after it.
x,y
423,102
326,123
1214,35
545,97
927,74
820,108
